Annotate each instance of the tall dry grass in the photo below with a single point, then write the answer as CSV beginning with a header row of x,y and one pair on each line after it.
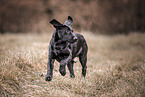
x,y
116,67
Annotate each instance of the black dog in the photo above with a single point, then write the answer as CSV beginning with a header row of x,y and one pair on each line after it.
x,y
64,47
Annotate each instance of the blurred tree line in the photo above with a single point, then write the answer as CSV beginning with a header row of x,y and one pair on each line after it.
x,y
98,16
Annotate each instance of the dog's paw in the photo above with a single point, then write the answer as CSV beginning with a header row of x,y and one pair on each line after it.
x,y
72,76
48,78
62,72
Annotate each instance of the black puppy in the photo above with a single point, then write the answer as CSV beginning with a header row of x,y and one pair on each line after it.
x,y
64,47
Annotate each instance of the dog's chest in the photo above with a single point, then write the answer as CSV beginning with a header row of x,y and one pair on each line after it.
x,y
61,48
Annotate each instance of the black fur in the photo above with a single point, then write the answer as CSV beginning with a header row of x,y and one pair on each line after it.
x,y
64,47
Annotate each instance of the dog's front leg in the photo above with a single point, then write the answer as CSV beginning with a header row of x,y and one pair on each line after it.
x,y
50,65
64,62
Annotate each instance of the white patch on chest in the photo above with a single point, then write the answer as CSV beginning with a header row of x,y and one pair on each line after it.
x,y
75,59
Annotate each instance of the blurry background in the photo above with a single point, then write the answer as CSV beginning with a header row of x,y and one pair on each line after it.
x,y
116,55
97,16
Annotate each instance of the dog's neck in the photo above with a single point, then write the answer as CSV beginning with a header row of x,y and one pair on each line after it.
x,y
60,44
56,37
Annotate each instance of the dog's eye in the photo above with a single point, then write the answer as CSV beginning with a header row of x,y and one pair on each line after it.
x,y
69,29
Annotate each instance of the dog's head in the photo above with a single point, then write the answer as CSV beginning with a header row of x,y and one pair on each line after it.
x,y
64,31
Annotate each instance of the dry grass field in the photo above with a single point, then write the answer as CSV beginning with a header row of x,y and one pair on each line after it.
x,y
116,67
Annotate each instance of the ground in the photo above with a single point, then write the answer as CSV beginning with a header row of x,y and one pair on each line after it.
x,y
116,67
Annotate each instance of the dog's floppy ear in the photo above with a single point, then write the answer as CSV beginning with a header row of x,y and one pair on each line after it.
x,y
69,21
56,24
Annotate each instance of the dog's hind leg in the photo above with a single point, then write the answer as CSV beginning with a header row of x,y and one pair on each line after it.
x,y
70,67
83,61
